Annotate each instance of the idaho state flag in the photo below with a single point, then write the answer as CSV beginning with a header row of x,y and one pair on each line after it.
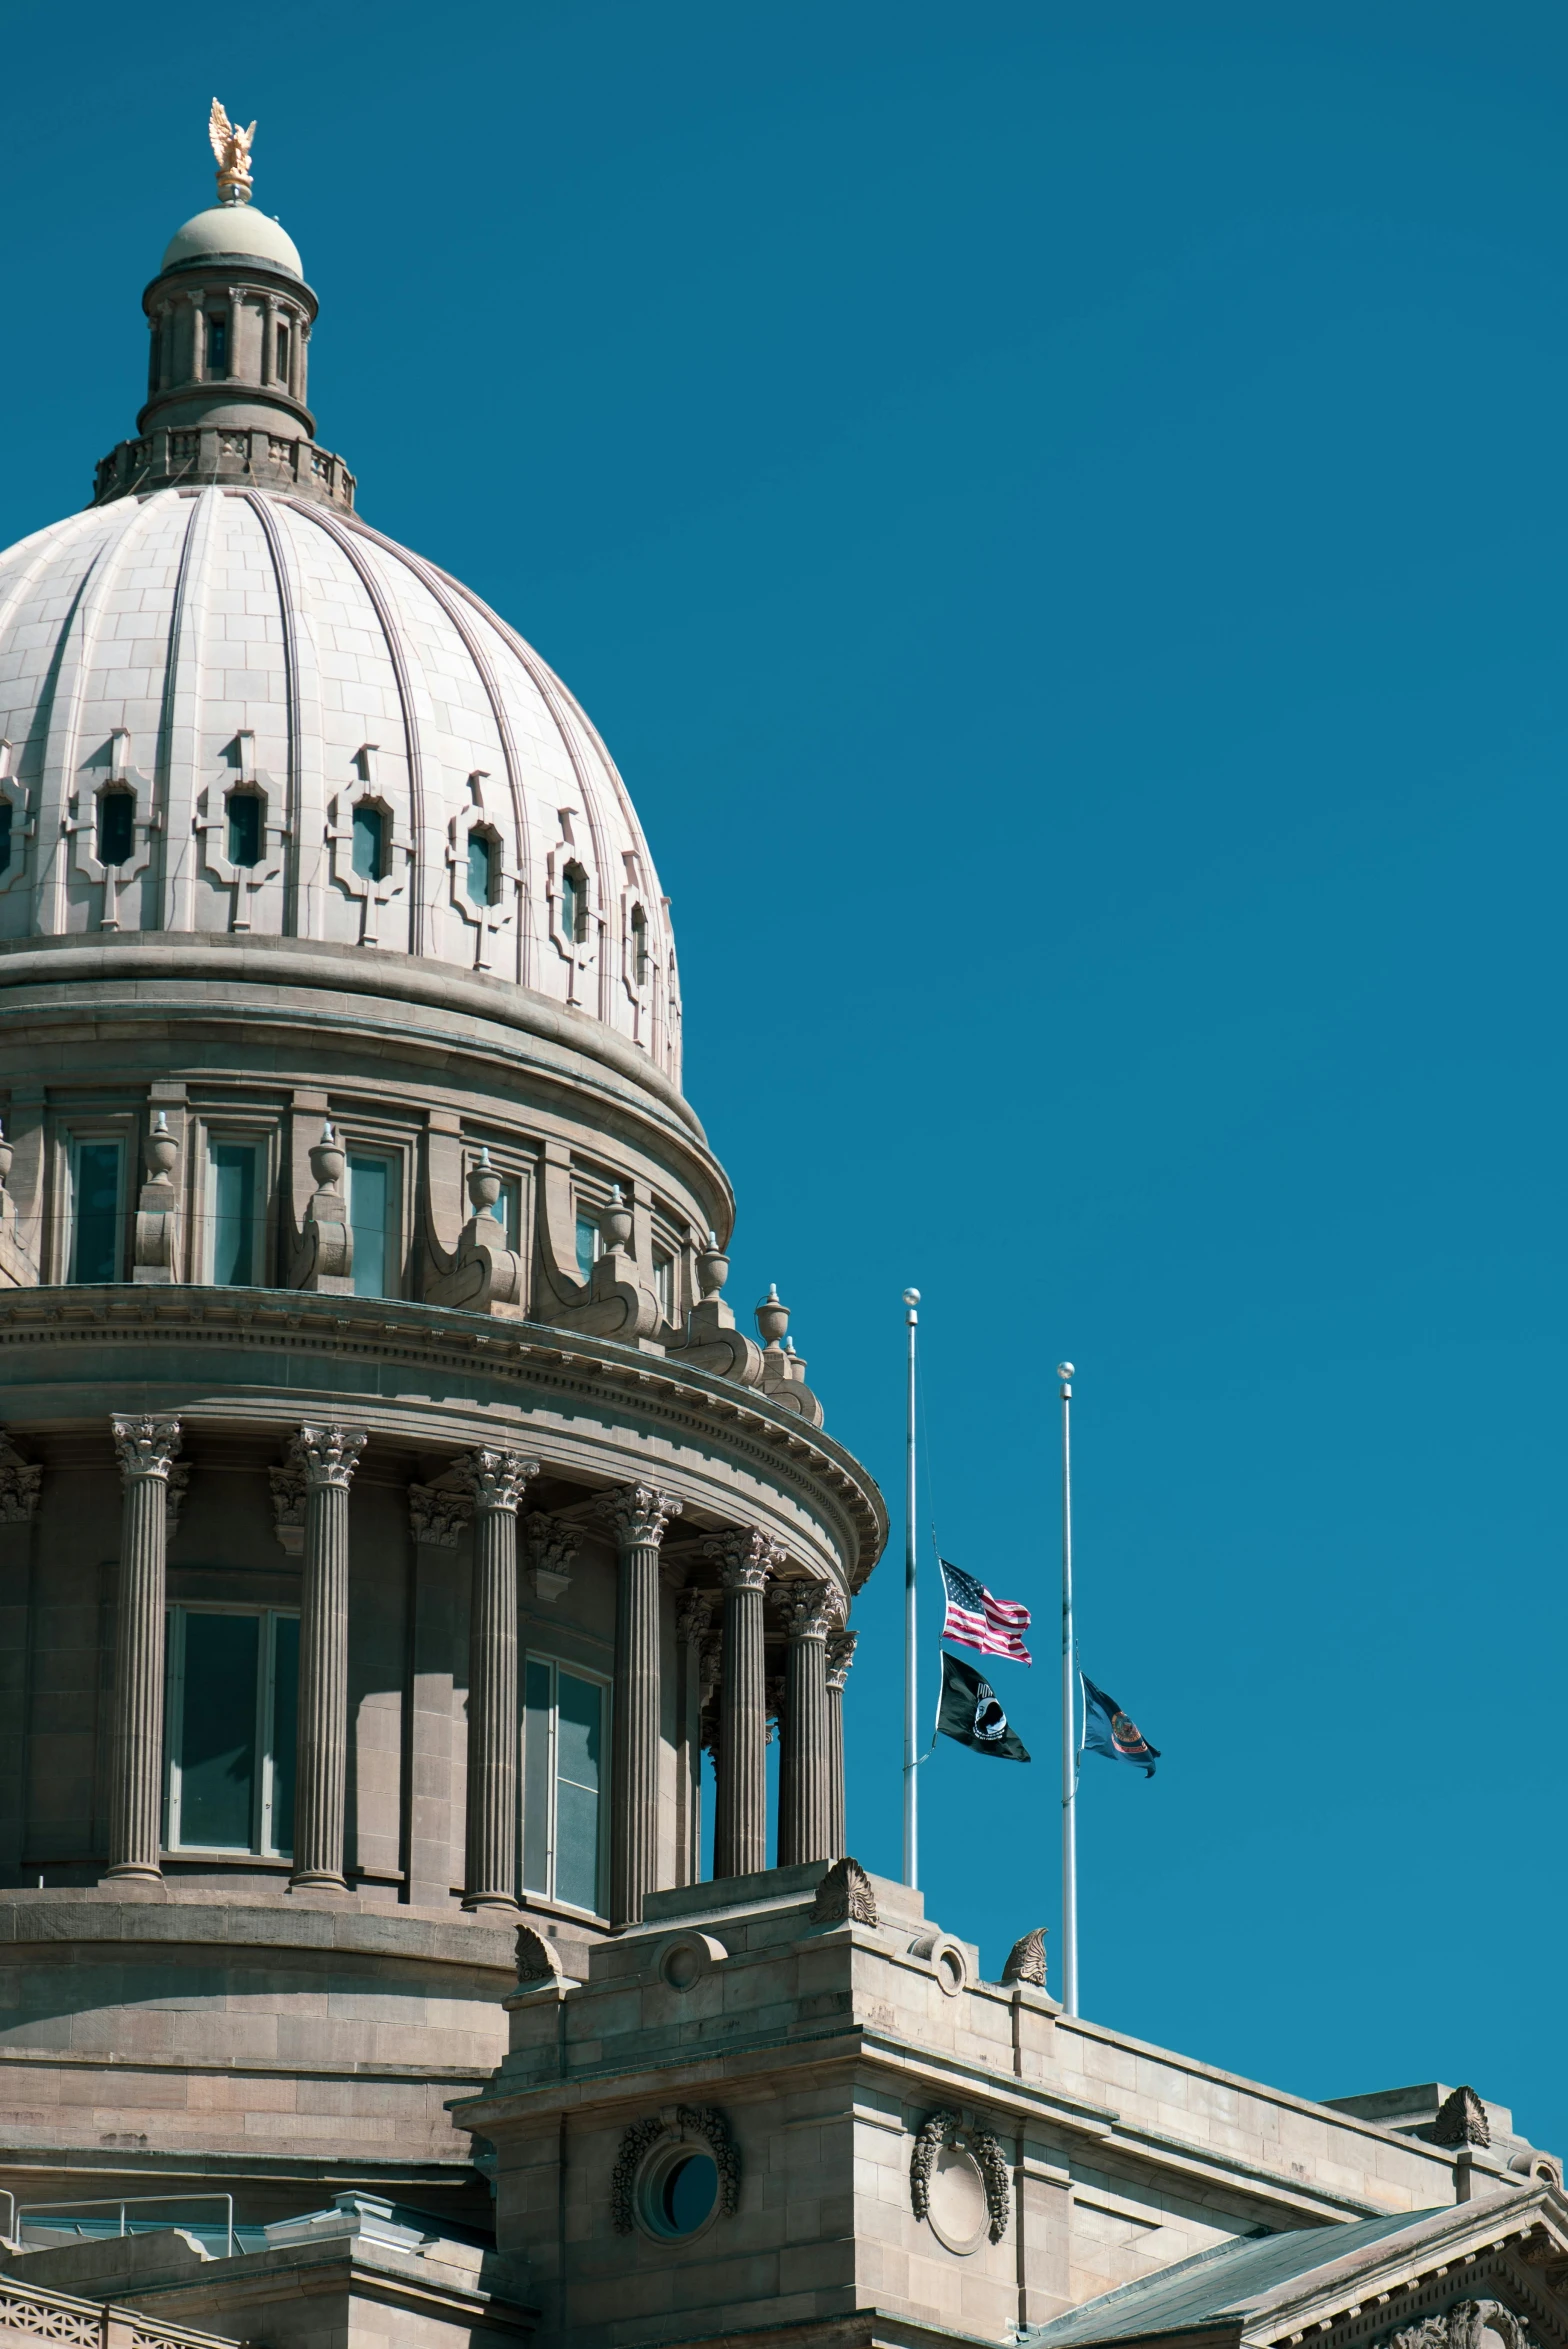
x,y
1107,1730
971,1713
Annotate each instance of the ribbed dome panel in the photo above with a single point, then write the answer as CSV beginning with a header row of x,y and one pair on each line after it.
x,y
190,649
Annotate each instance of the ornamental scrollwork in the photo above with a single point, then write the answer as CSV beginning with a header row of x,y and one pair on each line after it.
x,y
688,2120
1462,2327
946,2128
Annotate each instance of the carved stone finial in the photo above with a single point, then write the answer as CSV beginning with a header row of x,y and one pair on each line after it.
x,y
772,1317
553,1544
845,1897
160,1150
1026,1959
144,1447
615,1219
328,1455
494,1478
1461,2120
231,146
745,1557
713,1268
436,1517
639,1514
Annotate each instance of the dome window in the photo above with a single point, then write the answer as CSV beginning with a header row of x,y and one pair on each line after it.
x,y
6,813
280,365
482,862
217,346
116,827
370,854
245,827
639,947
574,905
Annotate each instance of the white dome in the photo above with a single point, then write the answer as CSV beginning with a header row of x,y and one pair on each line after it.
x,y
234,232
426,783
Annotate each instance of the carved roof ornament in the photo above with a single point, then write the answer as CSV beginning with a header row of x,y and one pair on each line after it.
x,y
1026,1959
1461,2120
538,1960
845,1897
231,146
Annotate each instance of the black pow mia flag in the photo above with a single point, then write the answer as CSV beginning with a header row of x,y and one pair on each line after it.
x,y
971,1712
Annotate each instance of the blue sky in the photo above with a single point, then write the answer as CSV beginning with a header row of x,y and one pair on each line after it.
x,y
1060,513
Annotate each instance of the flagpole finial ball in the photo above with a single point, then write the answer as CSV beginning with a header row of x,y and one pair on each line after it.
x,y
1065,1370
911,1296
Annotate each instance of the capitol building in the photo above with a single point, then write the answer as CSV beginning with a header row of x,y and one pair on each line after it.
x,y
394,1514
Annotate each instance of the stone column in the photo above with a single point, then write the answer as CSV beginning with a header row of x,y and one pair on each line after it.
x,y
328,1457
639,1515
146,1449
841,1654
437,1518
740,1828
805,1803
693,1624
495,1482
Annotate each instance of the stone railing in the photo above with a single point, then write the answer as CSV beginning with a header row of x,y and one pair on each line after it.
x,y
29,2312
236,455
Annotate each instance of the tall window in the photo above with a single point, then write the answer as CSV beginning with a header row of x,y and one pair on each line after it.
x,y
590,1244
116,826
508,1211
372,1215
244,814
574,904
281,365
6,812
481,868
233,1191
233,1680
639,947
95,1211
664,1282
369,842
217,346
563,1750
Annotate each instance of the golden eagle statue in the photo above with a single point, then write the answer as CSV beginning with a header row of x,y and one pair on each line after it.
x,y
231,145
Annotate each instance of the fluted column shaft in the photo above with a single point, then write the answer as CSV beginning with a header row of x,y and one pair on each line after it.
x,y
841,1654
639,1516
495,1480
805,1804
146,1449
740,1819
328,1457
693,1624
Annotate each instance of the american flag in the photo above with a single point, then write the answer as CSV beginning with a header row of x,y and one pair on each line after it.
x,y
976,1620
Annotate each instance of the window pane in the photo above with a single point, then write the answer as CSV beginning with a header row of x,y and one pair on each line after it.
x,y
577,1747
367,843
536,1779
481,865
577,1846
116,826
283,354
587,1245
369,1210
5,835
217,345
664,1283
244,828
571,904
97,1211
285,1727
233,1212
217,1749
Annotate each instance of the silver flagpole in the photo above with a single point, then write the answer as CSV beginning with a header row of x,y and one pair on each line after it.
x,y
1064,1371
911,1674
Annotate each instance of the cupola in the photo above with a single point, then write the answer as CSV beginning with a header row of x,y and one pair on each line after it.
x,y
229,317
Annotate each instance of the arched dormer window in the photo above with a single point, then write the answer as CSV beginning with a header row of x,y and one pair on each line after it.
x,y
370,834
574,904
244,828
116,826
639,947
483,863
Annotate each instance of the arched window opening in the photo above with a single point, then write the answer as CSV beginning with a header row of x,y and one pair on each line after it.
x,y
116,826
639,947
244,813
482,862
574,905
217,346
369,842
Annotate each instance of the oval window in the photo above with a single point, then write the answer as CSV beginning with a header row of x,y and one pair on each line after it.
x,y
684,2194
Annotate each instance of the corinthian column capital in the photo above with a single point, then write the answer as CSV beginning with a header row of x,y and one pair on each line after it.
x,y
694,1617
437,1517
145,1447
841,1654
495,1479
745,1557
809,1609
327,1456
639,1514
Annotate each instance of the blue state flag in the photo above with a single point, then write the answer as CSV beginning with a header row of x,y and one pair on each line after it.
x,y
1107,1730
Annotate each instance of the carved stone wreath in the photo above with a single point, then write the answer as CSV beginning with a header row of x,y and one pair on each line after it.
x,y
694,2120
1462,2326
945,2128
